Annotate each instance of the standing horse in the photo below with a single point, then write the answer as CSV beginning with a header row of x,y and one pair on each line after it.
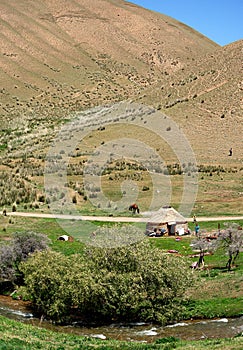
x,y
134,208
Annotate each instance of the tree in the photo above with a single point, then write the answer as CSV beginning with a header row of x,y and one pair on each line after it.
x,y
50,282
140,282
126,282
7,262
202,244
18,249
231,241
25,243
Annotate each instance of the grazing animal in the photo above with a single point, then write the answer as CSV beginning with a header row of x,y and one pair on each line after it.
x,y
134,208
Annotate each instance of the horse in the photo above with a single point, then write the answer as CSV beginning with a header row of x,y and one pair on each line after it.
x,y
134,208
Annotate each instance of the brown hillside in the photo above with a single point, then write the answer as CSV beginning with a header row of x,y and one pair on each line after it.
x,y
206,100
67,55
58,57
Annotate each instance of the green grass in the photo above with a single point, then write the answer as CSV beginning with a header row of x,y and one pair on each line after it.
x,y
214,307
210,226
217,292
170,243
3,146
15,335
80,230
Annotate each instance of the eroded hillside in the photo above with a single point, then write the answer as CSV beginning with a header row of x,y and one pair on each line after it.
x,y
62,57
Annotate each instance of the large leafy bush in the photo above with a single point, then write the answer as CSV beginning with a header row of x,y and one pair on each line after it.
x,y
129,282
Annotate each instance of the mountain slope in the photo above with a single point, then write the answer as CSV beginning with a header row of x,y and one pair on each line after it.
x,y
206,100
59,57
67,55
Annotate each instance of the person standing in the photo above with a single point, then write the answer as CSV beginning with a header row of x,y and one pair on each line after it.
x,y
197,228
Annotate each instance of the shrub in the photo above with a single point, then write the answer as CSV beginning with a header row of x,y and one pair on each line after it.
x,y
130,282
11,254
42,198
138,282
7,260
48,283
25,243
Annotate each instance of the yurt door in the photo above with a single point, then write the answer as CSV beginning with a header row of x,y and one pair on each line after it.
x,y
171,228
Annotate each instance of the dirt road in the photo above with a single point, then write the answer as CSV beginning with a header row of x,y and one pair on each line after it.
x,y
113,218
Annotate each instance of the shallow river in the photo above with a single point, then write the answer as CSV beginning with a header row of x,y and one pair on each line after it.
x,y
189,330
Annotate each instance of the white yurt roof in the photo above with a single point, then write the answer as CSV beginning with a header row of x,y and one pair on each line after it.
x,y
167,215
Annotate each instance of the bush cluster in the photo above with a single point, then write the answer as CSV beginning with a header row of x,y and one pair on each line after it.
x,y
126,283
14,189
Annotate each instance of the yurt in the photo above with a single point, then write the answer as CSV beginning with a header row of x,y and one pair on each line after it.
x,y
167,221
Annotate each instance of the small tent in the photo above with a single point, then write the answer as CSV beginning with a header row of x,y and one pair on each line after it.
x,y
65,238
167,219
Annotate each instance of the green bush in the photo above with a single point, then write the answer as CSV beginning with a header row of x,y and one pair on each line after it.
x,y
130,282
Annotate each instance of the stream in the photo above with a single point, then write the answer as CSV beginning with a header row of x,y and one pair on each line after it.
x,y
141,332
